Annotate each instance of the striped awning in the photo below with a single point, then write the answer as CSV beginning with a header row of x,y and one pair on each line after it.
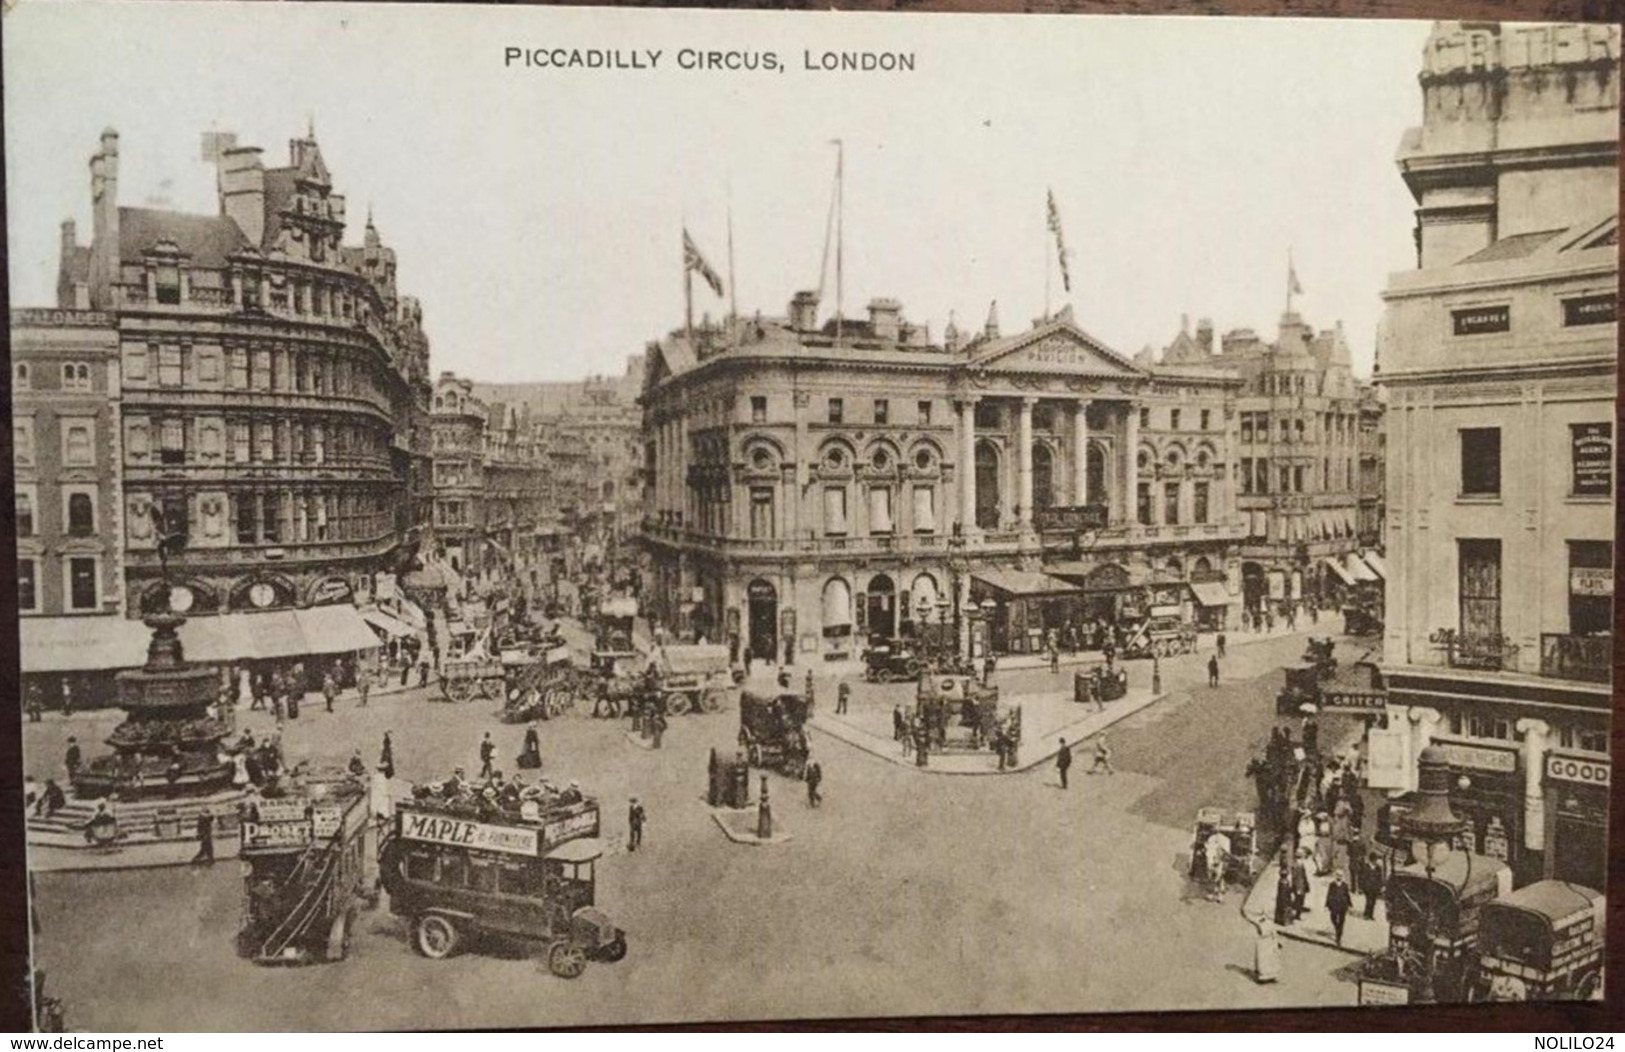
x,y
82,644
1337,568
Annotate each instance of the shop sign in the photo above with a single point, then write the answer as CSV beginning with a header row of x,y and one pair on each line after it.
x,y
1591,580
1386,762
1355,704
1573,769
570,828
1479,758
1496,843
280,810
326,821
1378,993
332,590
1075,518
1593,456
1477,321
1590,310
438,829
1277,584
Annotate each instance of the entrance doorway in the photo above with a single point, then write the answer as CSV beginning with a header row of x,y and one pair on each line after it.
x,y
763,601
1255,587
882,608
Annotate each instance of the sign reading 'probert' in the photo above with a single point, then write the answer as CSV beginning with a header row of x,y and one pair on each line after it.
x,y
437,829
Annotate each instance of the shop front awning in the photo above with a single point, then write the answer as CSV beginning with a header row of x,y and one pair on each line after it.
x,y
336,629
276,634
1357,569
1373,560
82,644
389,625
1342,574
1024,583
1210,593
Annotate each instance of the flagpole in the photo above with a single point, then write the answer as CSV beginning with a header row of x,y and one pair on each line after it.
x,y
688,292
840,234
1046,274
1291,277
733,285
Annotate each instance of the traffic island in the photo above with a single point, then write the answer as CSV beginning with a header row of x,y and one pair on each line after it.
x,y
1046,718
741,828
1360,936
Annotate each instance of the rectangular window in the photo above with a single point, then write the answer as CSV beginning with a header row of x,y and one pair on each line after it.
x,y
22,442
1591,588
837,411
239,368
167,283
81,514
761,513
1173,420
240,442
880,509
924,411
1590,310
78,449
1481,462
1592,450
262,370
1286,480
1262,466
169,366
1199,499
1246,427
1170,503
81,584
925,509
1478,321
835,510
1145,419
172,441
1297,479
882,410
27,585
1480,588
264,443
1142,504
25,513
135,362
247,520
1246,475
1207,419
272,518
758,409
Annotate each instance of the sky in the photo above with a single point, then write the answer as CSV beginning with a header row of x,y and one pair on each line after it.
x,y
537,213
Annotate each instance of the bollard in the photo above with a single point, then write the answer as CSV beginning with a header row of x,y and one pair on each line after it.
x,y
764,815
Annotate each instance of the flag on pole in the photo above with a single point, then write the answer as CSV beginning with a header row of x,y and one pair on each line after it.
x,y
1060,241
693,261
1293,288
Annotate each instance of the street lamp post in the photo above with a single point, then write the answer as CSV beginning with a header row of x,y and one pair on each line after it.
x,y
1432,829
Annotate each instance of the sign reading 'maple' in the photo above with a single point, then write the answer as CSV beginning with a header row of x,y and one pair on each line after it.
x,y
437,829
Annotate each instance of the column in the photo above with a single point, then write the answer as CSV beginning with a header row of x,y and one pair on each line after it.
x,y
1080,451
962,586
1425,724
1536,736
1024,438
967,464
1131,466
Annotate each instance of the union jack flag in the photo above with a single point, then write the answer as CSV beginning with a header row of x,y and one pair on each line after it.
x,y
693,261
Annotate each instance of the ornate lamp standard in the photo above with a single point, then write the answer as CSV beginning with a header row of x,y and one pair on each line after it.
x,y
1432,829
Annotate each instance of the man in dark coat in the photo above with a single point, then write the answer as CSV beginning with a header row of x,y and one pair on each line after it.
x,y
487,751
73,758
1213,671
634,825
815,778
1063,761
205,840
1284,896
899,724
386,757
988,668
1371,883
843,694
1338,903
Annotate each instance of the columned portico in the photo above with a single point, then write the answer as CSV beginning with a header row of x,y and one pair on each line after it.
x,y
1024,452
1131,467
967,464
1080,451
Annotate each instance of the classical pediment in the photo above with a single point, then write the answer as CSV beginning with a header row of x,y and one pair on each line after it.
x,y
1057,349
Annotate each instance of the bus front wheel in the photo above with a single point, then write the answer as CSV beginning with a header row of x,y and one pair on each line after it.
x,y
435,937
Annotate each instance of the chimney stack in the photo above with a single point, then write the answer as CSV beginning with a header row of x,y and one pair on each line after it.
x,y
242,190
1204,335
885,318
104,253
804,311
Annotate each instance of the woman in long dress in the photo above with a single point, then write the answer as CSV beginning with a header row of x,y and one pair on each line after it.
x,y
1266,951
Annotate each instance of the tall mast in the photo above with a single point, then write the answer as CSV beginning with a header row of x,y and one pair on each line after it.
x,y
840,241
733,286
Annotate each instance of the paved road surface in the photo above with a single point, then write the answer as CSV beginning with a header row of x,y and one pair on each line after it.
x,y
902,895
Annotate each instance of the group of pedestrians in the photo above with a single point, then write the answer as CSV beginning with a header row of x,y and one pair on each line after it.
x,y
1102,764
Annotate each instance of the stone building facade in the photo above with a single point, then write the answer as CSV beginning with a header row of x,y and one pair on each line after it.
x,y
267,374
458,420
811,487
1297,456
1500,367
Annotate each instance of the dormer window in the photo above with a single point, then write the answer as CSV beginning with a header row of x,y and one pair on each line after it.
x,y
167,284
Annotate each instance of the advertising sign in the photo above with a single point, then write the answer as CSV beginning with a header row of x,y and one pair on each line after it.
x,y
1354,703
1386,766
276,834
1478,757
1591,580
1373,992
571,827
1476,321
439,829
332,590
1593,453
1072,518
1574,769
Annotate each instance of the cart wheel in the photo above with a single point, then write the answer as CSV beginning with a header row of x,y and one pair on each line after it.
x,y
459,690
1588,986
614,951
711,701
882,675
435,936
566,960
677,704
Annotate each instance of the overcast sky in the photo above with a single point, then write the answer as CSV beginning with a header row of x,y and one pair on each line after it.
x,y
537,212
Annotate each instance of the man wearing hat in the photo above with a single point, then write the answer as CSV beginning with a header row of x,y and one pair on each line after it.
x,y
634,824
1338,903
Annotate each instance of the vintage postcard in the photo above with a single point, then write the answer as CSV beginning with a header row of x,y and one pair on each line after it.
x,y
553,517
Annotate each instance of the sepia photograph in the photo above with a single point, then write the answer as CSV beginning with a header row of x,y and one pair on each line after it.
x,y
566,517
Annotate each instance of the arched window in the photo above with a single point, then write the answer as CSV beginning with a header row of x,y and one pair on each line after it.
x,y
1043,476
987,486
81,515
837,603
1203,565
